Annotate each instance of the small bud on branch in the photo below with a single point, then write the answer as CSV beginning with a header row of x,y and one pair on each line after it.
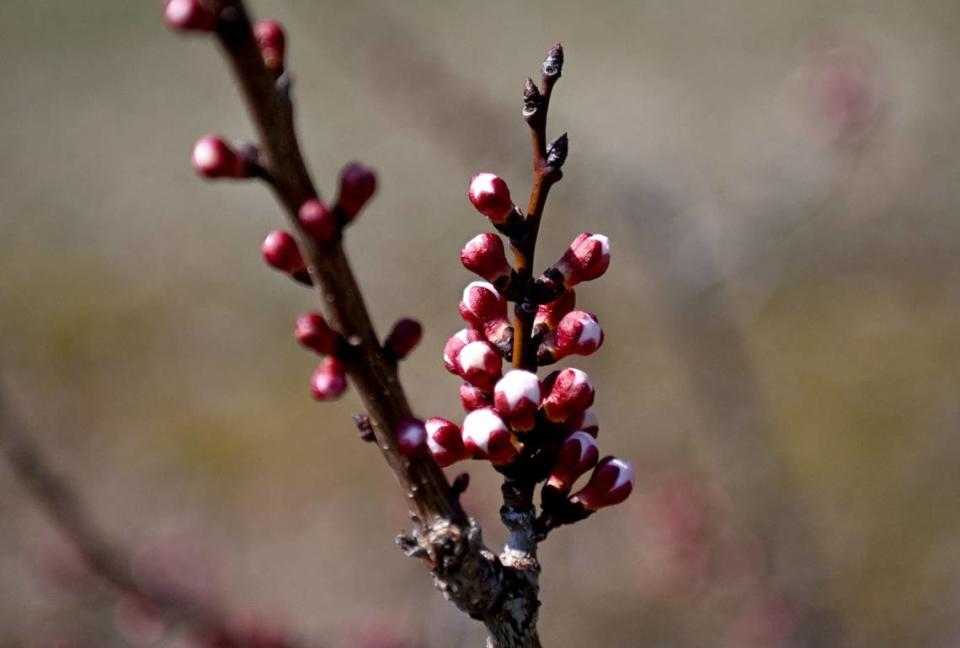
x,y
611,483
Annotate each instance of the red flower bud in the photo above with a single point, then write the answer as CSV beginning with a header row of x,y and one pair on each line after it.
x,y
318,220
357,185
329,381
474,398
479,364
578,333
272,43
313,332
570,393
549,315
577,455
490,196
587,258
485,436
280,251
404,336
411,438
516,397
445,441
484,255
481,303
188,15
214,158
585,421
452,348
611,483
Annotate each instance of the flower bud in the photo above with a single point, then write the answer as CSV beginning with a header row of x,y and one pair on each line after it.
x,y
490,196
516,398
329,381
357,185
404,336
474,398
213,158
485,436
611,483
549,315
570,393
318,220
452,348
577,455
479,365
587,258
585,421
484,255
188,15
578,333
272,43
280,251
313,332
411,438
481,303
445,441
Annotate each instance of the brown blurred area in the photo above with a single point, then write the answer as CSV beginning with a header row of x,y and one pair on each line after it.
x,y
779,182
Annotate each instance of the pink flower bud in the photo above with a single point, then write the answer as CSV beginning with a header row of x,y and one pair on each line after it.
x,y
280,251
479,364
484,255
549,315
611,483
357,185
411,438
516,397
587,258
445,441
485,436
577,455
452,348
578,333
329,381
318,220
585,421
570,393
214,158
188,15
474,398
404,336
272,43
481,303
490,196
313,332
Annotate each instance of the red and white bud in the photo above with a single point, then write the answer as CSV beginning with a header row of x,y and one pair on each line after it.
x,y
313,332
357,184
585,421
445,441
578,333
570,393
480,364
482,303
611,483
577,455
486,436
188,15
272,43
516,398
404,336
329,381
587,258
474,398
280,251
318,220
490,195
549,315
452,348
484,255
214,158
411,438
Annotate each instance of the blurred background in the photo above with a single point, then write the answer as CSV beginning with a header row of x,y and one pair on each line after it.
x,y
779,183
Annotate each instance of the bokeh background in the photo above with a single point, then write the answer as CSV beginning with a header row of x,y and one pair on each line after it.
x,y
779,182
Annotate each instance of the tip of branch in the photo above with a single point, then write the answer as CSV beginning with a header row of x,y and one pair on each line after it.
x,y
553,64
